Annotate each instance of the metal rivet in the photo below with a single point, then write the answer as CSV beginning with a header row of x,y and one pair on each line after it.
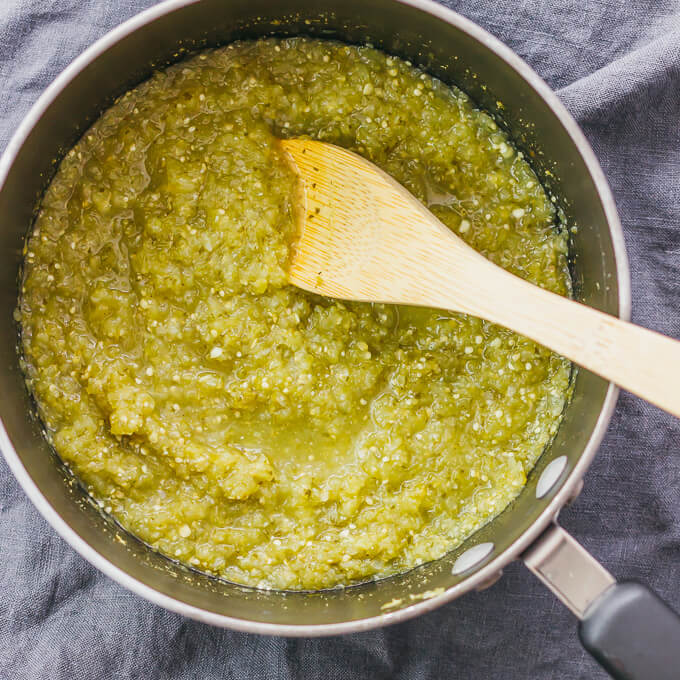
x,y
472,557
487,583
575,492
550,475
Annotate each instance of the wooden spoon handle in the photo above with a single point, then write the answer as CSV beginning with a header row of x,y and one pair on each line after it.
x,y
641,361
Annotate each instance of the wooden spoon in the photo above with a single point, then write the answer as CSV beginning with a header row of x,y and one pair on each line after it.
x,y
365,237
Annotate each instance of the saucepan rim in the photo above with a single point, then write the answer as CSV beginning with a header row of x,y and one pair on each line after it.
x,y
530,533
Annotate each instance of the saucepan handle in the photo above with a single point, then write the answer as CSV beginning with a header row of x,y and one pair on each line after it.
x,y
631,632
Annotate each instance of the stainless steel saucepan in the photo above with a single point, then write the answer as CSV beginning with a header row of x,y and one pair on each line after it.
x,y
624,625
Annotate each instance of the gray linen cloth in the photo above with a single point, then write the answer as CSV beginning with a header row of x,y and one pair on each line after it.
x,y
616,65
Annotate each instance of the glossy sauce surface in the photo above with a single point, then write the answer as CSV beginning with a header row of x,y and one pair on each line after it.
x,y
236,423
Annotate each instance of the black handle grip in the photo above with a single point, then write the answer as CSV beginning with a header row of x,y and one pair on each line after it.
x,y
633,633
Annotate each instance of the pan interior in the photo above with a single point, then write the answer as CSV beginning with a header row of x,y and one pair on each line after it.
x,y
406,31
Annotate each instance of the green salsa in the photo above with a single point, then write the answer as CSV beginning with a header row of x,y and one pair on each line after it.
x,y
236,423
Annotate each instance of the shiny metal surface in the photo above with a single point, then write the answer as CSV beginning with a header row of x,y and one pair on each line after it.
x,y
448,46
568,569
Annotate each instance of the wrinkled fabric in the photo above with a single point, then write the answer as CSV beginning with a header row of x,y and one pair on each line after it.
x,y
616,66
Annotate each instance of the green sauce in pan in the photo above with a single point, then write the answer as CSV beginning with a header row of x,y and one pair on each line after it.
x,y
234,422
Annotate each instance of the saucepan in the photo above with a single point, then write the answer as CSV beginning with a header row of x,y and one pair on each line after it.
x,y
624,625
